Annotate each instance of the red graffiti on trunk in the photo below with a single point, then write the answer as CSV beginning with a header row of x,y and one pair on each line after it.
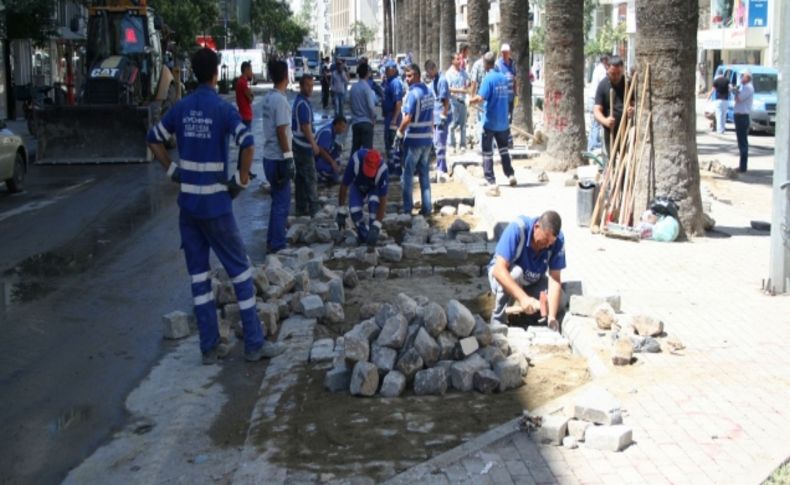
x,y
554,122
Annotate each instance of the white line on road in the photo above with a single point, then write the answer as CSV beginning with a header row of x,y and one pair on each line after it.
x,y
40,204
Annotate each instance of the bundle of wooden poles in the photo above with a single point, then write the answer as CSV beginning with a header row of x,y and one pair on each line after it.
x,y
614,206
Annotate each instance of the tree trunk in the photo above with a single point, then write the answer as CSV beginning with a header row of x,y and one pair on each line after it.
x,y
514,15
477,19
412,27
447,44
436,27
424,27
667,40
387,18
563,114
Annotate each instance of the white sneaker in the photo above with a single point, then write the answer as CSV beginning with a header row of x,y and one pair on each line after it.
x,y
492,191
512,180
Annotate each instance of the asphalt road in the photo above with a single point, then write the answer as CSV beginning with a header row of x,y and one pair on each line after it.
x,y
89,262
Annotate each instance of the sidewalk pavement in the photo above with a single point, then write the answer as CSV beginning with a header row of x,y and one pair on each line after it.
x,y
716,414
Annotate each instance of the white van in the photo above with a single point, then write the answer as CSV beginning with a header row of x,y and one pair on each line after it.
x,y
232,58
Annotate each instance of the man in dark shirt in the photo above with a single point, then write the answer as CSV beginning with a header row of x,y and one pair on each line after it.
x,y
614,80
721,96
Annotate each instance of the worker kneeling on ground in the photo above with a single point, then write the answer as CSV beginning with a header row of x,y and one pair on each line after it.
x,y
365,178
326,162
527,249
202,123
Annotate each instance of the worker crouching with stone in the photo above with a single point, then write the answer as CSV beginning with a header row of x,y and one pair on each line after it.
x,y
365,180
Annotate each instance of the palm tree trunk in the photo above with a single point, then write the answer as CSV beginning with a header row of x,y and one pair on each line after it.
x,y
436,27
423,42
667,40
477,19
387,16
447,45
514,15
563,114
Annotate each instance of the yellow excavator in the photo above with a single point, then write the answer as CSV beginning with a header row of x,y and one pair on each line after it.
x,y
127,88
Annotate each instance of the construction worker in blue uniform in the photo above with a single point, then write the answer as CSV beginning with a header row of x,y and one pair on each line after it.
x,y
326,162
496,127
278,159
391,109
507,66
305,149
365,179
442,116
203,123
415,136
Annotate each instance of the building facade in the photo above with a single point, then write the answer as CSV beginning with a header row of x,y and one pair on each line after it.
x,y
344,13
739,32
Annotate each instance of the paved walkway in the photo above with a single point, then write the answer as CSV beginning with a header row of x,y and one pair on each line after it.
x,y
716,414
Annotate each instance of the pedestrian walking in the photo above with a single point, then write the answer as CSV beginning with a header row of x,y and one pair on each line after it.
x,y
326,81
278,158
391,109
363,110
305,149
441,116
744,97
599,74
458,83
339,86
291,69
507,66
415,136
476,76
494,95
365,180
721,100
202,123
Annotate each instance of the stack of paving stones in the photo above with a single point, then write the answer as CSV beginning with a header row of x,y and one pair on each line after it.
x,y
595,419
419,345
291,282
629,333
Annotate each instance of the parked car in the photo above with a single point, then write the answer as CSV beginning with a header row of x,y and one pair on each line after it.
x,y
13,159
764,81
300,67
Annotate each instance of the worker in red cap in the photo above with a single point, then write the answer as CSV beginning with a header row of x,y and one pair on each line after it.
x,y
366,177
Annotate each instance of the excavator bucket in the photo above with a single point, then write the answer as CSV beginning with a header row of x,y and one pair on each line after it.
x,y
92,134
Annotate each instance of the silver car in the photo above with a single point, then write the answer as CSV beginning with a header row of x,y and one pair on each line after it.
x,y
13,159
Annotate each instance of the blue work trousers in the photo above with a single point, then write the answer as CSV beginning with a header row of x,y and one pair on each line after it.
x,y
356,203
220,234
417,159
440,144
501,138
281,203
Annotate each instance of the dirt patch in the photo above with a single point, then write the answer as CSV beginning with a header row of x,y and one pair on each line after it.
x,y
439,221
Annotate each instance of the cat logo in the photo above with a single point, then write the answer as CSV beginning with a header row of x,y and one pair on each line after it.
x,y
104,72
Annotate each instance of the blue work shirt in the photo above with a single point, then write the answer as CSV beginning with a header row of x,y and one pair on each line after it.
x,y
441,91
509,70
393,92
494,90
301,113
534,264
457,79
325,138
378,185
419,104
203,123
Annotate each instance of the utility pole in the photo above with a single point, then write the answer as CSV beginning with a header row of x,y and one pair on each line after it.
x,y
779,269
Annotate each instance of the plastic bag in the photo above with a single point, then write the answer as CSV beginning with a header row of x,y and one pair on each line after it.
x,y
666,229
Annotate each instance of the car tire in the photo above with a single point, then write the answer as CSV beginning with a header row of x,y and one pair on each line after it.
x,y
16,182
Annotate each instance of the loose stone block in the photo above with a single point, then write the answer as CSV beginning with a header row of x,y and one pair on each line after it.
x,y
457,252
597,406
430,382
280,277
319,288
609,438
499,328
468,346
448,210
383,358
393,385
464,209
570,443
356,347
482,332
323,350
384,312
311,306
393,333
604,316
486,381
585,305
578,428
447,342
232,312
364,379
338,379
269,315
333,313
336,292
552,430
434,318
509,373
421,271
500,342
427,347
491,354
459,225
462,373
381,272
368,329
409,363
411,250
350,278
402,273
175,325
368,310
302,281
647,326
622,351
391,252
407,306
260,280
459,319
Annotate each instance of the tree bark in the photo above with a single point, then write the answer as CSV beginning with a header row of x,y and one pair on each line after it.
x,y
514,15
413,28
563,114
447,45
667,39
387,18
436,27
477,18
